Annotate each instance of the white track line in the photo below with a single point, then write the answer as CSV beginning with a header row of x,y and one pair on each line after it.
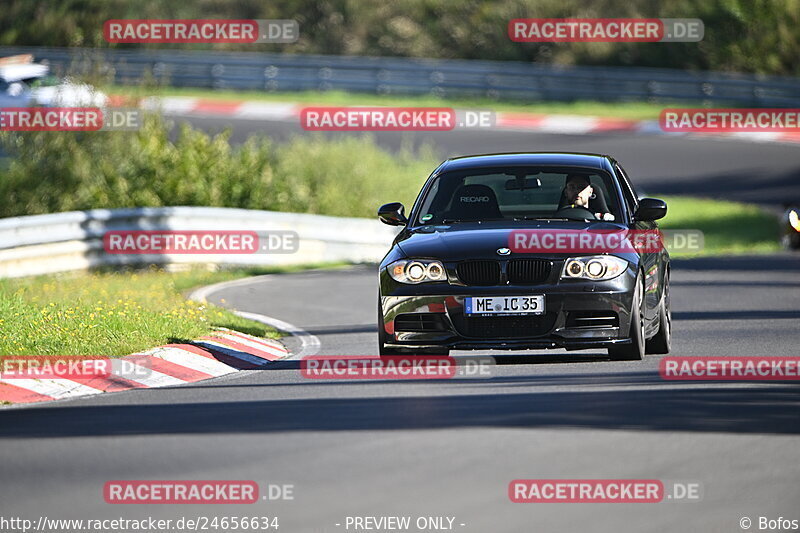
x,y
309,344
202,294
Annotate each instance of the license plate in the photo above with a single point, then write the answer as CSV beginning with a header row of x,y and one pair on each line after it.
x,y
504,305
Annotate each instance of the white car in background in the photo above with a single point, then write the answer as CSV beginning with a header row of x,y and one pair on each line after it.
x,y
21,78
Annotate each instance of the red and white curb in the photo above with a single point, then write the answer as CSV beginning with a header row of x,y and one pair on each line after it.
x,y
302,343
513,121
224,352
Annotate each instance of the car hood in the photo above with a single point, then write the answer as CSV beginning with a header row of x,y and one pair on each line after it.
x,y
480,240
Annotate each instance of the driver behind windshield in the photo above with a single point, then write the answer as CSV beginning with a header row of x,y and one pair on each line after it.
x,y
580,194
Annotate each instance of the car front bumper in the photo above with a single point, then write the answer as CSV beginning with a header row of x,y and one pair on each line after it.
x,y
577,315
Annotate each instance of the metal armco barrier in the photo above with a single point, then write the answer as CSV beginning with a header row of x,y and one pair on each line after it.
x,y
45,244
384,75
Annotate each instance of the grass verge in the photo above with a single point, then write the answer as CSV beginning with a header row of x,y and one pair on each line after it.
x,y
728,227
617,110
113,314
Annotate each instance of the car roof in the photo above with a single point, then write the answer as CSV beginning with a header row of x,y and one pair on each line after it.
x,y
598,161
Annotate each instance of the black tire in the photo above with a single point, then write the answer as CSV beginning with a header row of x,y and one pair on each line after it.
x,y
635,350
661,343
382,349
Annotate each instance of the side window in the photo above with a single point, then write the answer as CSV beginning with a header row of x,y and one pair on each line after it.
x,y
631,198
427,206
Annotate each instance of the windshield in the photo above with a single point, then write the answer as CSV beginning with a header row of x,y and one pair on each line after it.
x,y
520,193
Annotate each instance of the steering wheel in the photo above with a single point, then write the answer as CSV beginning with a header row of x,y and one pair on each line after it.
x,y
575,213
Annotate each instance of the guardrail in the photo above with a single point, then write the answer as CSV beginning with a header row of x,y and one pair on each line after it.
x,y
504,80
45,244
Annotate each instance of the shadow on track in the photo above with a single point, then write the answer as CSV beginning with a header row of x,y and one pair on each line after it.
x,y
668,406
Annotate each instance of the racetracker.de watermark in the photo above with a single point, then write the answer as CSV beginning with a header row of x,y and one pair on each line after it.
x,y
69,119
396,367
729,120
73,367
746,368
141,242
250,31
603,491
393,119
605,30
596,241
180,492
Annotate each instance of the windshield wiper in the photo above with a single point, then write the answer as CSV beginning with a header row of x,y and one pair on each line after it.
x,y
458,220
541,218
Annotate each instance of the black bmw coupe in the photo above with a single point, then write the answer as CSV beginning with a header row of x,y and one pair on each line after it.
x,y
526,251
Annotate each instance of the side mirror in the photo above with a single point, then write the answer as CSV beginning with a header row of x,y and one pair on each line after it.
x,y
650,209
393,214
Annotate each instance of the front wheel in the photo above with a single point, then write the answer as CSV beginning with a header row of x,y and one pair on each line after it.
x,y
661,343
635,350
382,348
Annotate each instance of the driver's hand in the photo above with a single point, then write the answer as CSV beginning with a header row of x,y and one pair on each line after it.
x,y
605,216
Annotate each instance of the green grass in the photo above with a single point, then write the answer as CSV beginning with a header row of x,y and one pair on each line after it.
x,y
113,314
619,110
728,227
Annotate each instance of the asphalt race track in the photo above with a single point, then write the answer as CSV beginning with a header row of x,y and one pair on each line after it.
x,y
450,448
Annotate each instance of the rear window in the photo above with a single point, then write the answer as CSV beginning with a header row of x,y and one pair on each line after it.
x,y
511,193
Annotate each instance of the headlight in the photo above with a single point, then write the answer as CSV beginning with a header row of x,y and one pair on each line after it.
x,y
595,267
417,271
